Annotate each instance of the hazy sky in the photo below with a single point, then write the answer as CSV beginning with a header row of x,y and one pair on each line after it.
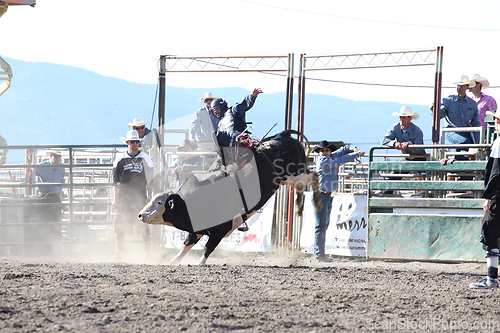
x,y
125,39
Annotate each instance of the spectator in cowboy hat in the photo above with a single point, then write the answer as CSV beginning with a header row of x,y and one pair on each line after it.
x,y
460,111
184,164
405,133
51,175
484,102
204,122
145,134
330,158
132,190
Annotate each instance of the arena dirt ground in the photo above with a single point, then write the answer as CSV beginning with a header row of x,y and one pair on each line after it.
x,y
243,293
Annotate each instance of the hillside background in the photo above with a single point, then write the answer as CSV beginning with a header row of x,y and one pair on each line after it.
x,y
57,104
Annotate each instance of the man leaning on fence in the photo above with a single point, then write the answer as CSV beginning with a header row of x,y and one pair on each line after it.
x,y
405,133
460,111
51,175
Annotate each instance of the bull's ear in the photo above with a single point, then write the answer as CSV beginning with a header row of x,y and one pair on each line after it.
x,y
171,203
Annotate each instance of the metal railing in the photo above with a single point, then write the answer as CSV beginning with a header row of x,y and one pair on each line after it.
x,y
86,211
434,204
432,175
82,213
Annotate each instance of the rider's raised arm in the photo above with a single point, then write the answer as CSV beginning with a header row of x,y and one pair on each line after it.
x,y
247,103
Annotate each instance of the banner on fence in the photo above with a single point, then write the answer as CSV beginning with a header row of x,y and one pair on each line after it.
x,y
346,235
256,239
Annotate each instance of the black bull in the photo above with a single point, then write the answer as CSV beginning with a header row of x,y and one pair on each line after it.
x,y
280,158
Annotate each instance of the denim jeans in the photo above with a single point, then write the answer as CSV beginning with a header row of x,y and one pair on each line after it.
x,y
322,221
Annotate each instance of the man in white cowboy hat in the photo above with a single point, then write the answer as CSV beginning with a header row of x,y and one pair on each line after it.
x,y
51,175
183,165
145,134
490,229
460,111
330,158
484,102
132,191
204,122
405,133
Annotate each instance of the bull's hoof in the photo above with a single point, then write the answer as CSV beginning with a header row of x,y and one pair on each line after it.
x,y
243,227
202,261
175,261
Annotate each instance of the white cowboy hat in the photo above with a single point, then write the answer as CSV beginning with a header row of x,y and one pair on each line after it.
x,y
131,135
406,111
464,79
207,95
137,122
484,83
53,152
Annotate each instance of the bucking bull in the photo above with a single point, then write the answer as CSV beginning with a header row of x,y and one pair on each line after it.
x,y
217,202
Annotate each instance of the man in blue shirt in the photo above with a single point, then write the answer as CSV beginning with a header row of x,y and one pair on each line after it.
x,y
405,133
327,169
461,111
51,175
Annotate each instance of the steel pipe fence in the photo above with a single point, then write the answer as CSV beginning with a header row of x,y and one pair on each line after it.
x,y
86,214
81,214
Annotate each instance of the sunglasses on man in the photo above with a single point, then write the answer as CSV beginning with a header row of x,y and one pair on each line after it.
x,y
139,128
134,141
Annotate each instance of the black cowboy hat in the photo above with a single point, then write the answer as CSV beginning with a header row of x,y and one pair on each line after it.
x,y
324,144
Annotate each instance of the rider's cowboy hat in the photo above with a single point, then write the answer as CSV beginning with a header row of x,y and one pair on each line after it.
x,y
131,135
484,83
464,79
137,122
187,143
208,95
406,111
324,144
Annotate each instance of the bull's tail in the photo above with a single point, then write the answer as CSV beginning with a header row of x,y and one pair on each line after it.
x,y
314,182
308,147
